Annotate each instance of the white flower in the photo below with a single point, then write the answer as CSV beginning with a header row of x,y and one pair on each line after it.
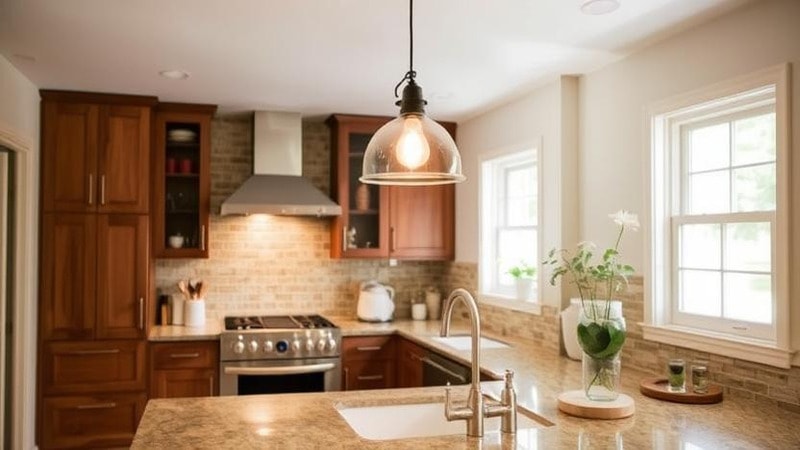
x,y
626,219
587,245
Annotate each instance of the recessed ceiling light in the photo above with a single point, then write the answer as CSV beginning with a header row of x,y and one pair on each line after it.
x,y
174,74
597,7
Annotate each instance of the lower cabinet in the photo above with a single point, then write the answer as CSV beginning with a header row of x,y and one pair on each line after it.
x,y
368,362
409,363
184,369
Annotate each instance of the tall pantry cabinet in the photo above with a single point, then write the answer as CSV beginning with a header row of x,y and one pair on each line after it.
x,y
95,269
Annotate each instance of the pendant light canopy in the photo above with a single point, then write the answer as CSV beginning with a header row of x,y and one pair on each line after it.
x,y
411,149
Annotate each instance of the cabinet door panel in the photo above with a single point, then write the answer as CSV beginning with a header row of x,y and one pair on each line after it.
x,y
422,222
124,159
92,366
185,355
409,363
67,298
184,383
122,275
69,157
371,374
91,421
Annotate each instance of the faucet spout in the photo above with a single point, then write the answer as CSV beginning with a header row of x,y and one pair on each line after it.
x,y
475,321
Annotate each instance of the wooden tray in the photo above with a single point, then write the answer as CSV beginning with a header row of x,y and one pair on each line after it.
x,y
657,388
576,404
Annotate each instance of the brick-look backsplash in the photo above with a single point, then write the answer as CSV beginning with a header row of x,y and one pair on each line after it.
x,y
739,378
275,264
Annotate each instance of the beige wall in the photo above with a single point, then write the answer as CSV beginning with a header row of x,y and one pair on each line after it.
x,y
547,115
19,131
275,265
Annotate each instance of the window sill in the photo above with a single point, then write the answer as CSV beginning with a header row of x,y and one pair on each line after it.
x,y
510,303
718,344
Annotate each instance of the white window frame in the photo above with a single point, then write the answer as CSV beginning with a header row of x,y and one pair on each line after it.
x,y
662,199
507,299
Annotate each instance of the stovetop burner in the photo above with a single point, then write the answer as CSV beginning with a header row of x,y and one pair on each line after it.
x,y
277,322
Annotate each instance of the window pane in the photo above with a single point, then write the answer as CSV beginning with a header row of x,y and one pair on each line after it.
x,y
521,181
710,148
521,212
701,292
708,193
754,188
520,190
748,246
700,246
748,297
755,139
515,246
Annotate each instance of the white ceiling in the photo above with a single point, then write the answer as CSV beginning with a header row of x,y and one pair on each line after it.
x,y
324,56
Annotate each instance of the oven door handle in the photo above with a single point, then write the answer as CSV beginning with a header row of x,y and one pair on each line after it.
x,y
283,370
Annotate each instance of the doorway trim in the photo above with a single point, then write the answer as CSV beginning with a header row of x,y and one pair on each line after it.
x,y
26,251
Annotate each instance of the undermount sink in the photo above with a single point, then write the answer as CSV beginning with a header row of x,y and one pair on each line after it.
x,y
387,422
465,342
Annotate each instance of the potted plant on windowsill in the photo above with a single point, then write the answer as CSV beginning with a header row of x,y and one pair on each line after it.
x,y
523,274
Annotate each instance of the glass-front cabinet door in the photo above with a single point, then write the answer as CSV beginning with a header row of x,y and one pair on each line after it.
x,y
362,229
182,175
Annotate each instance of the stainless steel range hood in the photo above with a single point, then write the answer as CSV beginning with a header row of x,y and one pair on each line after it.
x,y
277,186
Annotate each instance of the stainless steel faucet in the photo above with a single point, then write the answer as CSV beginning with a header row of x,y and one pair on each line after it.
x,y
477,407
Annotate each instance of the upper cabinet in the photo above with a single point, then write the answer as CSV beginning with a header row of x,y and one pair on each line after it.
x,y
409,222
182,175
96,153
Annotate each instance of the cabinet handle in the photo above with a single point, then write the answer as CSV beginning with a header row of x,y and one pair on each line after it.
x,y
141,313
107,351
369,349
344,238
203,237
102,189
416,357
98,406
91,188
392,243
346,378
369,377
211,386
184,355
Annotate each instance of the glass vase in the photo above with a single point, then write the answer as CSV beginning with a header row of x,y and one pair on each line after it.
x,y
601,334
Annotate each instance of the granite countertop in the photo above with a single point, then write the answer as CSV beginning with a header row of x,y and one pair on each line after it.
x,y
169,333
312,421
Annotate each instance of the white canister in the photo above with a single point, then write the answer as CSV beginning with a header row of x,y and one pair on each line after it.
x,y
419,311
177,309
195,313
569,329
434,301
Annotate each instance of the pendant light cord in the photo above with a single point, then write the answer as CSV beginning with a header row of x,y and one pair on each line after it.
x,y
411,74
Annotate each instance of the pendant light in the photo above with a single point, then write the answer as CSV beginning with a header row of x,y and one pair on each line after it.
x,y
412,149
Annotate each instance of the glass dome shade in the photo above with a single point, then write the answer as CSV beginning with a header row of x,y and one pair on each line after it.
x,y
412,150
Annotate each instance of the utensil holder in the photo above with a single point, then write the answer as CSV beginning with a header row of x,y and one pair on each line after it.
x,y
195,313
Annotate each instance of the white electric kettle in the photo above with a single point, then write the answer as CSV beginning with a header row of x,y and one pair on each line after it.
x,y
375,302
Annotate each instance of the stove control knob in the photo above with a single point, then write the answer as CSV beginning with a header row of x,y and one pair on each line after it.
x,y
295,346
238,347
268,345
331,344
321,345
253,346
309,345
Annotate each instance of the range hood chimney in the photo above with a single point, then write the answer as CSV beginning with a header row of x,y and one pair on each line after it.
x,y
277,186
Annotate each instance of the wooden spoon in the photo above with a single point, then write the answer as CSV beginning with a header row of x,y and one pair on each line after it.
x,y
184,290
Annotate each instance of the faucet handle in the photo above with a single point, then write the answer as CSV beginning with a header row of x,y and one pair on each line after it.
x,y
509,378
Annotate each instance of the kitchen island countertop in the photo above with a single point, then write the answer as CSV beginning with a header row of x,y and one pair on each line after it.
x,y
312,421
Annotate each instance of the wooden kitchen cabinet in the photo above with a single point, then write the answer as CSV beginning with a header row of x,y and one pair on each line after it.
x,y
95,268
368,362
184,369
96,421
182,175
95,152
409,222
94,277
409,363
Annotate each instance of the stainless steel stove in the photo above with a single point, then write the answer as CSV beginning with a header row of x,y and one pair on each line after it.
x,y
279,354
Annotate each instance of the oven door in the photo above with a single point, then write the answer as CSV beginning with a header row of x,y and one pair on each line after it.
x,y
280,376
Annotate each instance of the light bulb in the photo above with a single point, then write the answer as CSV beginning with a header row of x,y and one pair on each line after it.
x,y
412,147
